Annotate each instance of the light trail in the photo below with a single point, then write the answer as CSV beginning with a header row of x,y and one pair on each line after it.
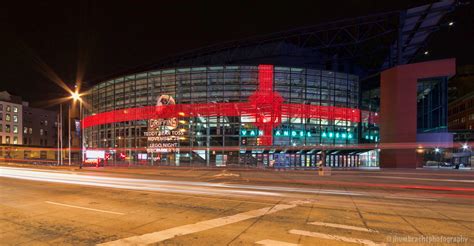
x,y
190,187
221,189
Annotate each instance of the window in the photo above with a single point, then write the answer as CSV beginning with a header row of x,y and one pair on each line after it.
x,y
8,110
46,133
46,123
1,127
15,140
15,109
7,128
1,107
7,117
15,129
30,130
1,116
41,132
7,139
15,118
25,130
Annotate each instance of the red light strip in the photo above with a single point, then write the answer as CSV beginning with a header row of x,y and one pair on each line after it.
x,y
265,105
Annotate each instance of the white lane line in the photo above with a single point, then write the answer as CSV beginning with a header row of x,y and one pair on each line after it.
x,y
348,227
268,242
334,237
91,209
410,198
159,236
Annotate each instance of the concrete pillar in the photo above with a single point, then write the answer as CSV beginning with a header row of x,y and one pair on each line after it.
x,y
398,109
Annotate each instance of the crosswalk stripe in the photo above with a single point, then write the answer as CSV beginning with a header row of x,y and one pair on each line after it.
x,y
334,237
269,242
355,228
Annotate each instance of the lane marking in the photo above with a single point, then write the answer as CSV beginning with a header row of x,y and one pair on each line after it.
x,y
337,238
159,236
410,198
355,228
269,242
91,209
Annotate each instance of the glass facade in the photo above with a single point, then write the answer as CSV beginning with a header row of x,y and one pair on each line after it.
x,y
224,140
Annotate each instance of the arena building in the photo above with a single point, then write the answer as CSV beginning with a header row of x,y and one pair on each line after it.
x,y
285,100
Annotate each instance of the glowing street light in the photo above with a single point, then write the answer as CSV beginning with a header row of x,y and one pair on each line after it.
x,y
426,53
451,23
437,150
76,96
465,146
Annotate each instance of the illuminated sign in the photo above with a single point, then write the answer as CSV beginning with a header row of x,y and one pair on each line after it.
x,y
161,135
95,154
168,123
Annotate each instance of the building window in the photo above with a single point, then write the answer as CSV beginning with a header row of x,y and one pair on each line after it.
x,y
30,130
9,108
1,107
15,118
46,123
1,127
7,117
46,133
15,109
15,129
25,130
15,140
41,132
7,128
1,116
7,139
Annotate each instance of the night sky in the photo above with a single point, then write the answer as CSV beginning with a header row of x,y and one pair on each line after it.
x,y
100,38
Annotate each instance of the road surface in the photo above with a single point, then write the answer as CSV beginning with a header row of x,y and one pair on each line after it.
x,y
57,206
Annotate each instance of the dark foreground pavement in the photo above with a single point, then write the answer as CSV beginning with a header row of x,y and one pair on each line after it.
x,y
122,206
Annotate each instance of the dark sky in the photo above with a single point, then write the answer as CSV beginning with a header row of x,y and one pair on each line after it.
x,y
105,37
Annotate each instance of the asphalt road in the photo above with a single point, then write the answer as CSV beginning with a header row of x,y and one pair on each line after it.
x,y
66,206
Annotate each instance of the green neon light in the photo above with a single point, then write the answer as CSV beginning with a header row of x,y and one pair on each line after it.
x,y
324,134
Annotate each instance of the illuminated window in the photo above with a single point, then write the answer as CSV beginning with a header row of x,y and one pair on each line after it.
x,y
7,128
15,109
15,140
30,130
25,130
15,118
7,117
7,139
45,122
9,108
15,129
41,132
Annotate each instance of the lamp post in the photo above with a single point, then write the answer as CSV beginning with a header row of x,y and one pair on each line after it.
x,y
77,97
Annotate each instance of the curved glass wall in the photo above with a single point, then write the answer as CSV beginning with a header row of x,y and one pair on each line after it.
x,y
217,84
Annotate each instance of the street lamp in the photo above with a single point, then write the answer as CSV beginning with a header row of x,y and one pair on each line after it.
x,y
76,96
